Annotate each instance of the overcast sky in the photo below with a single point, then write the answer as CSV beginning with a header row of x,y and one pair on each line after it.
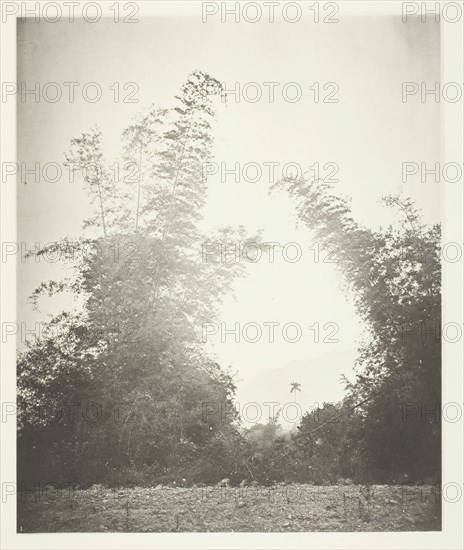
x,y
369,133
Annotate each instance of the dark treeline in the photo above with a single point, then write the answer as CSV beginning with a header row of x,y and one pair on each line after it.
x,y
132,344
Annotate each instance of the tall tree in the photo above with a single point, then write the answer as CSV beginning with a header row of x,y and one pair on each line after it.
x,y
134,349
294,387
393,276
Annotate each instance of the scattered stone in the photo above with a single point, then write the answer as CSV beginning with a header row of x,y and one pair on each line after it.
x,y
346,515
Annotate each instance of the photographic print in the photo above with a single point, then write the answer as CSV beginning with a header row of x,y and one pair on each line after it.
x,y
232,274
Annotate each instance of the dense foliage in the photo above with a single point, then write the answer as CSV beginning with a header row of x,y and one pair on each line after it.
x,y
120,382
116,389
394,277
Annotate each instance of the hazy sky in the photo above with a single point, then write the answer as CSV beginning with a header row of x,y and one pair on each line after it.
x,y
369,133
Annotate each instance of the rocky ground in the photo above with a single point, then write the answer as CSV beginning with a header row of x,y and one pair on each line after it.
x,y
282,508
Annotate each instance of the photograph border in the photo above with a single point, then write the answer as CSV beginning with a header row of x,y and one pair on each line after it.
x,y
452,146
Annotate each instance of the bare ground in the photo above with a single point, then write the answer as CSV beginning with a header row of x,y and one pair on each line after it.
x,y
212,509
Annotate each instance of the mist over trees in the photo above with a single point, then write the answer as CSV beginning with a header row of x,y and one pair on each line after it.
x,y
115,390
133,349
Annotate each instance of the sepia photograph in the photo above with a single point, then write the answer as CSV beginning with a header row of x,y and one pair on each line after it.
x,y
232,274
